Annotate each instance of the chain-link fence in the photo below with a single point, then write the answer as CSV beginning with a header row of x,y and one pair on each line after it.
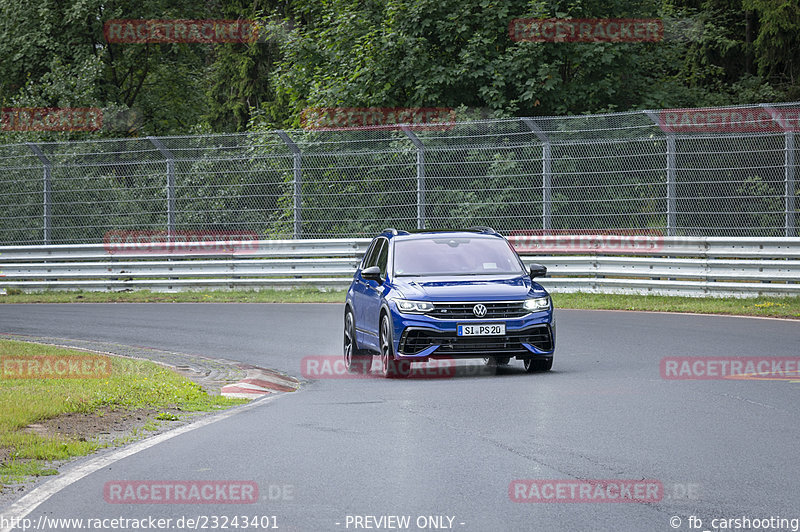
x,y
726,172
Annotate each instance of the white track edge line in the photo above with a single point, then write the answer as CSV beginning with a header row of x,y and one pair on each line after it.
x,y
29,502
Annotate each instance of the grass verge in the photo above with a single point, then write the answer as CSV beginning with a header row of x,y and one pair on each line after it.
x,y
296,295
130,384
776,307
779,307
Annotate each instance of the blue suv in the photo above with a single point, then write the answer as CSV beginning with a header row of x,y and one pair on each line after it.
x,y
446,294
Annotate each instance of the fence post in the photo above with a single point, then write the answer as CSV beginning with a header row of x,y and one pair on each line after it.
x,y
672,173
170,185
789,162
788,169
297,181
46,236
547,173
420,175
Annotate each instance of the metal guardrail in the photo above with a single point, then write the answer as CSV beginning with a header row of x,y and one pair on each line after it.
x,y
717,266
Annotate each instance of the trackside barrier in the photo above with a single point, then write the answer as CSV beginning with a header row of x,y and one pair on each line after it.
x,y
693,266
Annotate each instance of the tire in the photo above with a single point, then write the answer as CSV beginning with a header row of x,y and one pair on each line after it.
x,y
496,361
355,360
538,365
391,368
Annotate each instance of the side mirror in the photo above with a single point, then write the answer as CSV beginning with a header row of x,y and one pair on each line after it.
x,y
373,273
537,270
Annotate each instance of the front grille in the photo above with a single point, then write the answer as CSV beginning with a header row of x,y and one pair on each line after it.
x,y
463,311
415,340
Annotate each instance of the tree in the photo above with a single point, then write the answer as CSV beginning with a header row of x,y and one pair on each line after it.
x,y
778,41
55,55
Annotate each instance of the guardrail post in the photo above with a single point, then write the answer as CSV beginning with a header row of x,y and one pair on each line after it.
x,y
297,181
420,175
170,184
672,173
547,174
46,233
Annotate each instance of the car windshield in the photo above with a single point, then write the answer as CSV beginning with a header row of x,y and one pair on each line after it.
x,y
448,255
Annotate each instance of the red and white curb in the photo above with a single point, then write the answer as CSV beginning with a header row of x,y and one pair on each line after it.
x,y
259,382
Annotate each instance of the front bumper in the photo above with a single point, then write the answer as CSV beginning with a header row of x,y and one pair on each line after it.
x,y
420,338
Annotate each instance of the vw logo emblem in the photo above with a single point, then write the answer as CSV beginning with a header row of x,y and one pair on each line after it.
x,y
479,310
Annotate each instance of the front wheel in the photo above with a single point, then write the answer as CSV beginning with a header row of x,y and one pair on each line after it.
x,y
355,360
391,368
536,365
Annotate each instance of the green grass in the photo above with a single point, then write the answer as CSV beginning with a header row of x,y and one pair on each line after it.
x,y
297,295
783,307
132,384
779,307
18,470
151,426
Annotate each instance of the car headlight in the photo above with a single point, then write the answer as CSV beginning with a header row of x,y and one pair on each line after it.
x,y
539,303
414,307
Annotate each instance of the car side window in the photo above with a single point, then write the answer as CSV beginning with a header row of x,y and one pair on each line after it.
x,y
383,258
370,258
380,245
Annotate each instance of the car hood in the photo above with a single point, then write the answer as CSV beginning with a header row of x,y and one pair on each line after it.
x,y
468,288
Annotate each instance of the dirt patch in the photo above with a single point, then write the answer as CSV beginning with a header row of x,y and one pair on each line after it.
x,y
112,428
108,427
11,492
5,455
105,426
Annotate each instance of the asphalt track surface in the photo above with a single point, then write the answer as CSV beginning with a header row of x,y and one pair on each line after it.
x,y
452,446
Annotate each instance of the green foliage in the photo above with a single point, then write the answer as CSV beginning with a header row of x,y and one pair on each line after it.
x,y
458,53
55,55
393,53
778,42
240,75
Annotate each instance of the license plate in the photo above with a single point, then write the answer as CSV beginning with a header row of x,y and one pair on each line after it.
x,y
482,329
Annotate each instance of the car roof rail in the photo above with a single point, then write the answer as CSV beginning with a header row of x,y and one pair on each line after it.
x,y
483,229
435,230
476,229
394,231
